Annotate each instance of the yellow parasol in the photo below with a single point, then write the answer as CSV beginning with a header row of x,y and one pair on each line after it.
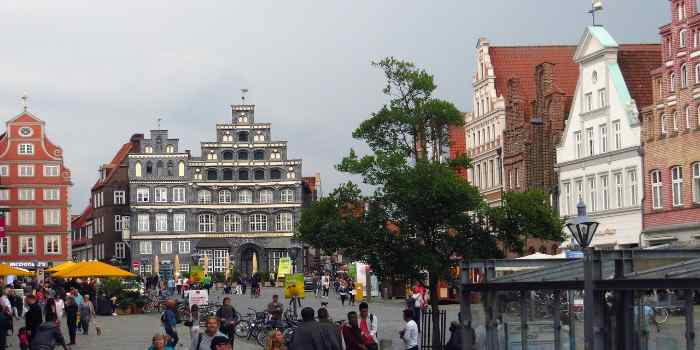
x,y
92,269
7,270
227,262
177,266
61,267
255,263
156,265
206,264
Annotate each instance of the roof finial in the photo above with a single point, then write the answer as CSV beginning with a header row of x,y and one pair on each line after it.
x,y
24,101
158,120
243,92
596,5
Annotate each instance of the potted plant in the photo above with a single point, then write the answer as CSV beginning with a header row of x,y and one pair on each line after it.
x,y
124,306
138,305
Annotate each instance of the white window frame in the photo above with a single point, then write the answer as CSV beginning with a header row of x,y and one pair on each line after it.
x,y
232,223
602,98
672,81
591,142
203,197
143,195
4,194
145,248
119,250
619,190
588,102
687,117
5,246
4,170
51,170
26,194
183,247
677,186
696,182
25,149
633,186
117,223
161,222
592,194
684,76
206,222
605,192
26,170
225,196
663,124
284,221
24,243
245,196
51,194
119,197
567,198
578,137
52,245
603,131
257,222
266,196
179,195
52,217
682,38
166,247
287,195
143,222
179,222
656,190
675,121
160,195
26,217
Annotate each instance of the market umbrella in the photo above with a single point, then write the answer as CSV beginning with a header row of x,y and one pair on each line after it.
x,y
156,266
61,267
93,268
227,261
177,265
255,263
7,270
206,264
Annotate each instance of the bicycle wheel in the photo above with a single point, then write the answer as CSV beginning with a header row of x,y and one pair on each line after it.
x,y
242,329
262,337
661,315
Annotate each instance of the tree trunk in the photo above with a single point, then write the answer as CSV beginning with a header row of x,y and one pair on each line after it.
x,y
435,306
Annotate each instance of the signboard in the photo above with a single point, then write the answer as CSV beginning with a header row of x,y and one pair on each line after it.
x,y
352,270
136,264
284,267
294,285
197,297
29,264
197,273
574,254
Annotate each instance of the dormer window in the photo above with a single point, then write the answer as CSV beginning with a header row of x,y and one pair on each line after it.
x,y
169,149
242,118
259,136
275,154
148,149
212,155
227,137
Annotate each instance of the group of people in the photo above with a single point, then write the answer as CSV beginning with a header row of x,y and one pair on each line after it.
x,y
343,286
43,307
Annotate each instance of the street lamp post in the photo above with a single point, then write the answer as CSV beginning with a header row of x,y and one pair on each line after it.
x,y
582,229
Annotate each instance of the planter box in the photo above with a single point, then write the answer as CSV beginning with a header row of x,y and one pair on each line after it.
x,y
136,310
123,311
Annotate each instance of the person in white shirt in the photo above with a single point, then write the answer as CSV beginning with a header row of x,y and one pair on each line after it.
x,y
409,334
60,306
5,300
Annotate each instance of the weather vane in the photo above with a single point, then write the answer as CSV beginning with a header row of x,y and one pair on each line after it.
x,y
596,5
24,101
158,120
243,92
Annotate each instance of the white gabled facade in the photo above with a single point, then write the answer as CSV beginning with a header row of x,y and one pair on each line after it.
x,y
599,159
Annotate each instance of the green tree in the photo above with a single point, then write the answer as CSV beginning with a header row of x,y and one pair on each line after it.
x,y
422,215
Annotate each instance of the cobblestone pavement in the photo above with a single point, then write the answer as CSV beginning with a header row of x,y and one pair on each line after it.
x,y
135,331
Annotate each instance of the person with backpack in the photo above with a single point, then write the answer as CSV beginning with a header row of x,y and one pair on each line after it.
x,y
169,322
369,327
203,339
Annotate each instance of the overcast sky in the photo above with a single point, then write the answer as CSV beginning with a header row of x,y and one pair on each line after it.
x,y
97,72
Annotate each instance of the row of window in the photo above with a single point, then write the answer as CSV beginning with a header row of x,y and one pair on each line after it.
x,y
675,123
207,222
29,194
601,192
27,217
656,179
160,195
166,247
588,100
227,174
244,154
587,146
482,106
27,170
483,135
683,79
486,174
27,245
161,169
243,136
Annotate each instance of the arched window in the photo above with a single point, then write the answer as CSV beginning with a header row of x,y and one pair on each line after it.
x,y
275,174
287,196
663,124
656,189
257,223
675,121
677,185
275,154
284,222
259,155
212,155
266,196
259,174
228,174
225,196
204,197
169,149
245,196
170,168
242,136
149,168
227,155
242,155
160,171
207,223
232,223
243,174
148,149
672,81
259,136
212,174
181,169
137,169
684,76
682,38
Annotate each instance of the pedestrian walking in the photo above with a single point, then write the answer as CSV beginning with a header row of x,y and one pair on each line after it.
x,y
71,318
87,313
59,306
227,316
32,318
275,309
352,335
352,292
47,336
343,292
369,326
418,304
169,322
204,339
326,285
158,342
5,325
330,333
409,334
308,335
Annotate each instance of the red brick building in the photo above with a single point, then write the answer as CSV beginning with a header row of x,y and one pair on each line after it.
x,y
671,134
34,193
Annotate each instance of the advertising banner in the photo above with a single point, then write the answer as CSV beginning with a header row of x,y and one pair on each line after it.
x,y
284,267
197,273
197,297
294,285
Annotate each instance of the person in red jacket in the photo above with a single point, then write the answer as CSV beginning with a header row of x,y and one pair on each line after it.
x,y
352,334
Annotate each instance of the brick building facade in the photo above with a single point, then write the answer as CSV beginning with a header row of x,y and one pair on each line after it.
x,y
34,194
671,134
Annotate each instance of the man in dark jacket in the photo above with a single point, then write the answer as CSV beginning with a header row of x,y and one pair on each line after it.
x,y
227,316
308,335
71,311
33,317
329,331
47,336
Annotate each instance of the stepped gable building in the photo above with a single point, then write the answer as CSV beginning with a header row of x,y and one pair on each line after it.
x,y
599,158
235,204
671,134
34,195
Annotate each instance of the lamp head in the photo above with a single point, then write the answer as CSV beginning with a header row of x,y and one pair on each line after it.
x,y
582,228
597,5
